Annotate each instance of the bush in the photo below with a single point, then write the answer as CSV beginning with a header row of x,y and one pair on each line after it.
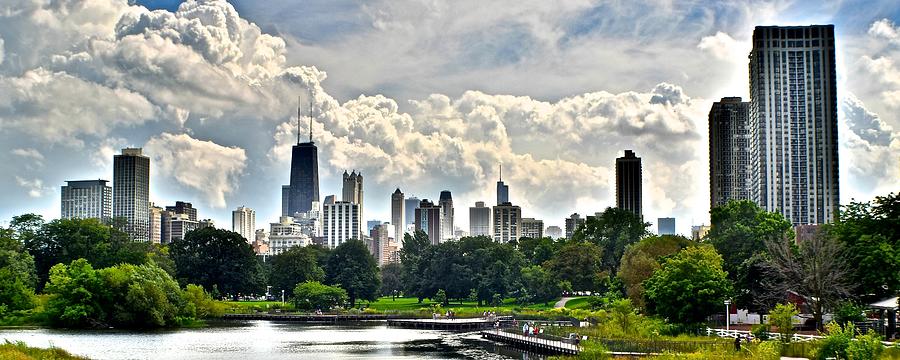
x,y
768,350
866,347
761,331
312,295
848,312
199,304
836,342
783,318
15,294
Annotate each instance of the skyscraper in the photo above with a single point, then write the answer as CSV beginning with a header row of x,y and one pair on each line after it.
x,y
184,208
131,192
532,228
572,223
553,232
507,220
665,226
398,215
502,189
446,204
286,200
341,222
243,221
628,183
479,220
84,199
304,186
793,119
428,220
352,192
156,223
729,151
412,203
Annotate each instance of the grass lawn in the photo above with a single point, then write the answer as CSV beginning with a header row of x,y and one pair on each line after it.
x,y
578,303
20,351
242,307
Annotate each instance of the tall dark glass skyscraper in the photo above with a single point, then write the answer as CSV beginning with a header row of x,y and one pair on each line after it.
x,y
628,183
793,119
304,186
729,151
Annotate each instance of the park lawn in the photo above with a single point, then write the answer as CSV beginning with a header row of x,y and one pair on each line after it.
x,y
578,303
242,307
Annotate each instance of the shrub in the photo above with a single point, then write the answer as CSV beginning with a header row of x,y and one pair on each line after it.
x,y
866,347
836,342
314,295
768,350
199,304
761,331
782,316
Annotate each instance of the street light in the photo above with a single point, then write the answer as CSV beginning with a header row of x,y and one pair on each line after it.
x,y
727,315
282,297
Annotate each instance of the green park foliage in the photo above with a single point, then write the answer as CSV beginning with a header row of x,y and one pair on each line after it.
x,y
20,351
689,286
313,295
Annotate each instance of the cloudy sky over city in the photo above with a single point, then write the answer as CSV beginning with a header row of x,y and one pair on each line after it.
x,y
416,94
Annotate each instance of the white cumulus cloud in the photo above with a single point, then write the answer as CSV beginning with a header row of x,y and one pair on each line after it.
x,y
203,166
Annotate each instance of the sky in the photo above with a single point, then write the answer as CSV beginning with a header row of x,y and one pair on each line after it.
x,y
417,94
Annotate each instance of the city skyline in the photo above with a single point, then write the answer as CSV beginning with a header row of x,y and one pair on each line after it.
x,y
228,146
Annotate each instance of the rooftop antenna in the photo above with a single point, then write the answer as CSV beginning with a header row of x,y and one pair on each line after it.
x,y
310,115
501,172
299,101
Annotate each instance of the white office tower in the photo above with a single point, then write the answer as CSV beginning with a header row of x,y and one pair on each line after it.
x,y
479,220
507,222
243,221
398,214
446,204
341,221
131,192
85,199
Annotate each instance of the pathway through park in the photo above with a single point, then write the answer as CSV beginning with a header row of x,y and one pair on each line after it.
x,y
562,302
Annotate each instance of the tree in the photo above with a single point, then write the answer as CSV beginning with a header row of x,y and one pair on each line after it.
x,y
689,286
75,295
66,240
312,295
537,250
414,247
613,230
740,229
870,233
541,285
579,263
297,265
782,316
139,296
14,293
218,258
643,258
353,268
816,269
391,279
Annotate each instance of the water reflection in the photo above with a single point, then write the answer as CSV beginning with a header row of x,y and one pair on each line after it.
x,y
269,340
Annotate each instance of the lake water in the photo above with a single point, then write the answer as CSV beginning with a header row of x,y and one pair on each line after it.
x,y
269,340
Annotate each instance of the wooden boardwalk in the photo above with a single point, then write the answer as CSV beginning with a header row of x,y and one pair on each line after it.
x,y
443,324
532,343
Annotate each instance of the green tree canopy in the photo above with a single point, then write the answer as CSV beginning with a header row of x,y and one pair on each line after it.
x,y
213,257
613,230
870,233
297,265
540,285
313,295
353,268
538,250
642,259
414,247
392,279
739,233
689,286
579,263
66,240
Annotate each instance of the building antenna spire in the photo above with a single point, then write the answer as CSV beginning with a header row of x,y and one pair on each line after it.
x,y
310,115
501,172
299,101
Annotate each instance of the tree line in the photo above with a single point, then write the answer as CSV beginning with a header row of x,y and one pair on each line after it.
x,y
750,255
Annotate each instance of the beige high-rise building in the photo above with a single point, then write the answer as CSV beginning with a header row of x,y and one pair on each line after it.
x,y
398,215
480,220
532,228
507,223
243,221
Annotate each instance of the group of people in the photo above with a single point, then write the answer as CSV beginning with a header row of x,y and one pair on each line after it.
x,y
530,329
448,315
488,315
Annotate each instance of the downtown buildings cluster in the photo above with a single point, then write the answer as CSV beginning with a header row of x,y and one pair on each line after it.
x,y
778,150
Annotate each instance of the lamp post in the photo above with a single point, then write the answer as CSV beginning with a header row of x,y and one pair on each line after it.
x,y
282,297
727,315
